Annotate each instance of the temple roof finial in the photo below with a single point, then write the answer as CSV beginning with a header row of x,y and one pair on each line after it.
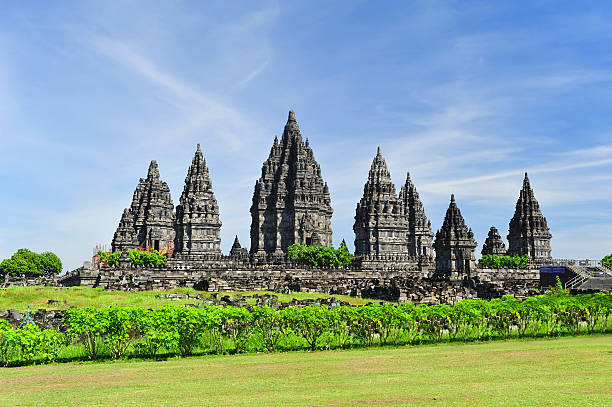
x,y
378,151
291,116
199,148
452,197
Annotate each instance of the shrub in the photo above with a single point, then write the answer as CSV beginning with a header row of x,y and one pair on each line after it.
x,y
137,257
319,256
495,261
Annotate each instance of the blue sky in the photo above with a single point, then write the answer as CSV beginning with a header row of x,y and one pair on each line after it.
x,y
464,95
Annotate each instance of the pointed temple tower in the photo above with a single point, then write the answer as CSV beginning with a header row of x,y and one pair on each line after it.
x,y
454,246
493,243
291,202
125,236
198,227
528,231
151,215
237,251
420,236
381,226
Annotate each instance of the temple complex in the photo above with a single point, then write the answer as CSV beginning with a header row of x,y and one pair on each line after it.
x,y
291,202
381,226
151,216
454,246
420,236
528,229
198,227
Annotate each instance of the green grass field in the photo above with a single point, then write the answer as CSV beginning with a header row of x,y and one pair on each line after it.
x,y
567,371
38,297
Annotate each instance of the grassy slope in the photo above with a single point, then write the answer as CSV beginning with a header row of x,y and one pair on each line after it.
x,y
19,297
568,371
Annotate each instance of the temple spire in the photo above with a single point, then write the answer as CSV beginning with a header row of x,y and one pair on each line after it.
x,y
493,243
380,223
197,215
153,173
420,236
528,229
454,246
291,203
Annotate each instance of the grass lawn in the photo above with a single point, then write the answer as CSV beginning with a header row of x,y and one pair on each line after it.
x,y
38,297
567,371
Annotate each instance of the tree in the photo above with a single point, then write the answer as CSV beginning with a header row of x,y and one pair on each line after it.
x,y
607,261
51,264
26,263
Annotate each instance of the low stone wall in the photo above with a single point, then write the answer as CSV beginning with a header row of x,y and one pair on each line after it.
x,y
493,283
385,285
23,282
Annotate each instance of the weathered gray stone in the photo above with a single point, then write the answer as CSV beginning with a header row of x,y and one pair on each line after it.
x,y
528,229
291,202
198,227
493,243
454,246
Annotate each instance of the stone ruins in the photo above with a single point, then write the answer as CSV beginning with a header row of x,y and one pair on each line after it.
x,y
397,254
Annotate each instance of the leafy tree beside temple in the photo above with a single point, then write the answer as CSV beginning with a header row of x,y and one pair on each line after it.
x,y
26,263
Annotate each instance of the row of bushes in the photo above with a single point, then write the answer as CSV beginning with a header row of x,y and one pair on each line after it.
x,y
494,261
26,263
320,256
137,257
119,331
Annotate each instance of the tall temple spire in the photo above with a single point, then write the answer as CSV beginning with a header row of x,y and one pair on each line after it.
x,y
420,236
528,229
153,173
493,243
290,203
198,227
151,215
380,225
454,245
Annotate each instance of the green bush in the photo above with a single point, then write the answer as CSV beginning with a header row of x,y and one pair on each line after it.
x,y
319,256
137,258
26,263
607,261
495,261
117,332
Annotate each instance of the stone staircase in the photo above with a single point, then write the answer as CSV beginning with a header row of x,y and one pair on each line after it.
x,y
590,278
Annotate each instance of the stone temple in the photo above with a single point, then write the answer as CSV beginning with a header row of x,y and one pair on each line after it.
x,y
291,202
493,243
149,222
454,246
528,229
198,227
381,225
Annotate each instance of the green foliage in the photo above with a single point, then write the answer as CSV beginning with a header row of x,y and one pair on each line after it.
x,y
112,259
142,258
29,343
319,256
115,332
26,263
137,257
607,261
495,261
